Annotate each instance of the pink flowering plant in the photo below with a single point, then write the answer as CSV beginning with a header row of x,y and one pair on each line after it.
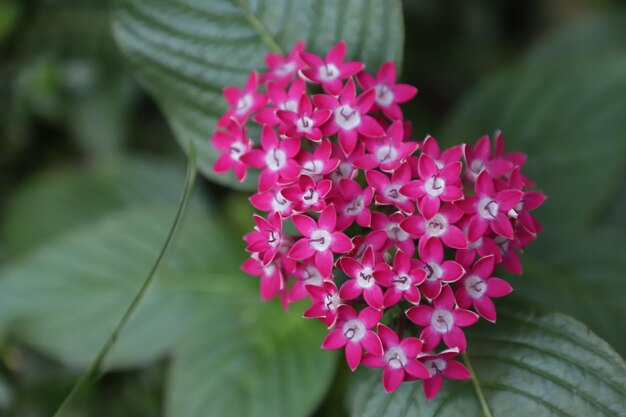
x,y
393,240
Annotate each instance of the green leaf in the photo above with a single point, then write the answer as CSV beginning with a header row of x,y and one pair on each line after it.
x,y
185,52
528,364
570,119
58,201
67,296
251,361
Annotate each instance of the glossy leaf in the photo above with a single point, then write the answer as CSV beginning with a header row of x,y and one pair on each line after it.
x,y
185,52
529,363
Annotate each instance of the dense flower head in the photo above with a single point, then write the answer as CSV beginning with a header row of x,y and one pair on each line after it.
x,y
396,240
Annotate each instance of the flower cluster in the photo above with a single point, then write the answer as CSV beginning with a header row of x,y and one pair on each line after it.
x,y
394,241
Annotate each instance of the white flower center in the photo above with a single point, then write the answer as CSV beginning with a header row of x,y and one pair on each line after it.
x,y
402,282
279,203
328,72
393,193
434,186
310,197
435,366
384,95
436,226
433,271
275,159
244,104
395,232
331,301
320,240
475,244
365,279
475,286
477,165
236,150
395,357
312,276
386,153
355,207
488,208
286,68
346,117
442,321
354,330
269,270
289,105
273,238
304,124
313,167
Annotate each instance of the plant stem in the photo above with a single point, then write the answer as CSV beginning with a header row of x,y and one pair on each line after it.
x,y
257,25
479,392
90,374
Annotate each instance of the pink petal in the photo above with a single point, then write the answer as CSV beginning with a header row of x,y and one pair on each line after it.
x,y
484,267
463,299
508,199
301,250
464,318
502,226
413,225
403,93
371,343
348,140
432,386
374,297
455,338
324,262
485,308
497,287
350,290
392,297
484,185
431,338
376,179
451,172
429,206
412,346
431,289
334,340
370,317
328,218
476,228
454,238
348,69
337,53
392,378
420,315
387,336
267,179
387,73
269,139
432,251
254,158
290,146
455,370
366,80
452,271
426,167
324,101
370,127
445,300
304,224
350,266
417,369
353,354
340,243
451,193
374,361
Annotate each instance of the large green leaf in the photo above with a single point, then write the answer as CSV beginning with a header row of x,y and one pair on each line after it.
x,y
570,119
249,361
186,51
58,201
529,364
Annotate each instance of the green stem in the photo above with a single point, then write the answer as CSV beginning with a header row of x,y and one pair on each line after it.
x,y
479,392
90,375
257,25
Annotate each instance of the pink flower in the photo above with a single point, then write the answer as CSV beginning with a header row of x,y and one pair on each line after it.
x,y
439,366
320,240
319,162
387,232
431,148
398,360
307,195
349,116
305,121
266,237
272,201
530,201
479,158
282,69
440,226
442,320
388,93
325,302
478,287
353,331
306,274
282,100
271,277
434,186
347,167
489,209
402,279
389,152
353,204
437,270
388,190
330,71
233,143
276,159
243,102
362,280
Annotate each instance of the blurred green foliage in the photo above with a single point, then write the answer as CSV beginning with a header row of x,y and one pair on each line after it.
x,y
85,155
